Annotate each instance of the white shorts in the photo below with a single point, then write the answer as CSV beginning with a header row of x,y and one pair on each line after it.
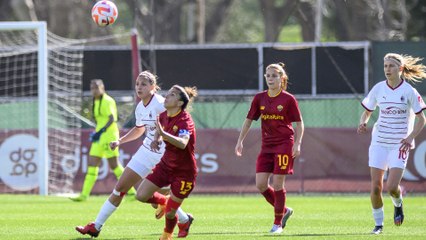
x,y
144,160
384,158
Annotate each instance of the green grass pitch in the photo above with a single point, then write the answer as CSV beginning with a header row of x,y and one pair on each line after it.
x,y
216,217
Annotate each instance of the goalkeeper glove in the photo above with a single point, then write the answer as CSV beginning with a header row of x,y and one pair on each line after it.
x,y
95,136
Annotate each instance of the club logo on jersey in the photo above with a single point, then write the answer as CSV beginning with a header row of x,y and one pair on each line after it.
x,y
262,107
280,108
175,128
393,111
402,99
150,115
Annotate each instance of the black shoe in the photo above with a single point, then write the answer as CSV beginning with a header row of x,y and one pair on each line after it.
x,y
377,230
398,216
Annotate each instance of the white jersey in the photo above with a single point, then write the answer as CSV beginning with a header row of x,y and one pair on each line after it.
x,y
396,117
146,117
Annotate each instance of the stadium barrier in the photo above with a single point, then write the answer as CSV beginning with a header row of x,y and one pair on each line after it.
x,y
332,160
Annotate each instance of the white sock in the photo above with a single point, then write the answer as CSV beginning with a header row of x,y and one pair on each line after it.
x,y
106,210
182,216
397,202
378,215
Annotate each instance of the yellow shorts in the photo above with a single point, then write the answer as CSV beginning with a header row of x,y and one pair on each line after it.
x,y
101,148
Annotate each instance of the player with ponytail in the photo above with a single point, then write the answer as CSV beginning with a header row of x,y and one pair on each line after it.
x,y
394,132
177,167
277,109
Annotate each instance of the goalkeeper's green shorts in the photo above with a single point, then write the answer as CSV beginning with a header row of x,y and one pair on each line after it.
x,y
101,148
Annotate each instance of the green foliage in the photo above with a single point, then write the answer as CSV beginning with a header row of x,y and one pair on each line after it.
x,y
291,33
216,217
244,24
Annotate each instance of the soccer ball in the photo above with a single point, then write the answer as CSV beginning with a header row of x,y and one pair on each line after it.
x,y
104,13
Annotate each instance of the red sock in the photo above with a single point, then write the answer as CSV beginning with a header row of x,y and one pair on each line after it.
x,y
279,206
170,224
269,195
157,198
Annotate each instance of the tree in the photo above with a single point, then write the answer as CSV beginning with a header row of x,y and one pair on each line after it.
x,y
275,15
368,20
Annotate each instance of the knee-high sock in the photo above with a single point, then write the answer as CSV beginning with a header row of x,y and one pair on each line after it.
x,y
269,195
89,180
182,216
397,202
279,206
106,211
157,198
171,223
378,215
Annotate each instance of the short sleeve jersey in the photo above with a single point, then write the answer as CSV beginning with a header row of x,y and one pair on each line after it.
x,y
146,116
396,117
102,109
179,161
276,113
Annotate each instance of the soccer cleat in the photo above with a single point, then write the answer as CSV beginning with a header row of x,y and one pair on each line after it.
x,y
79,198
184,227
161,209
276,229
88,229
398,216
377,230
166,236
288,213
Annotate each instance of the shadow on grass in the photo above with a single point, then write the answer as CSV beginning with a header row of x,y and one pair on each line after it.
x,y
247,234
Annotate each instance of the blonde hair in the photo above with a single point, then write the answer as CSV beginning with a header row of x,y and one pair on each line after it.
x,y
412,70
152,79
280,68
187,95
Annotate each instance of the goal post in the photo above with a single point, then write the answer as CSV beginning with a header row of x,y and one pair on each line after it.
x,y
42,151
40,91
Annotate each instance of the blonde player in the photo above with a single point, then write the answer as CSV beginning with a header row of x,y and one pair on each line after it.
x,y
281,144
144,160
104,110
394,132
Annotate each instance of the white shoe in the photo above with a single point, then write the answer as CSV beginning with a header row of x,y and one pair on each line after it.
x,y
276,229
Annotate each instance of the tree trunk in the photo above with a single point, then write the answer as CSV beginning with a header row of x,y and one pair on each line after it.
x,y
276,16
305,15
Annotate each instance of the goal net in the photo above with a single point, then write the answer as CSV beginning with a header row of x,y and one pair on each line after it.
x,y
40,96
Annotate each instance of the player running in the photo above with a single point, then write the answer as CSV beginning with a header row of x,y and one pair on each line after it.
x,y
177,167
143,161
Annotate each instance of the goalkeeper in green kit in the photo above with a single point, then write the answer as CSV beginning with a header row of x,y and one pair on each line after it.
x,y
104,111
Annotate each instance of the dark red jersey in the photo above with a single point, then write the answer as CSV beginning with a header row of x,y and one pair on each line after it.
x,y
277,114
179,161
